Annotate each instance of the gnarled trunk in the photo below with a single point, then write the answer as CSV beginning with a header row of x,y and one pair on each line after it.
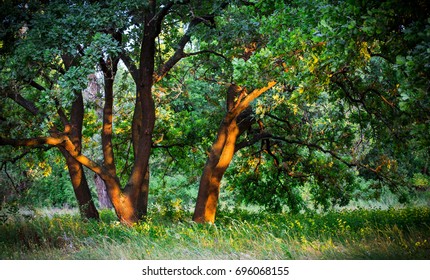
x,y
131,203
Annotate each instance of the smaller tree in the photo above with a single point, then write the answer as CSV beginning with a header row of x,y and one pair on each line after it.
x,y
235,122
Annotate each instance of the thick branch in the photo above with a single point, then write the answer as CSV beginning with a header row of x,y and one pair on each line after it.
x,y
251,97
175,58
37,86
107,131
250,142
32,108
179,53
62,141
158,18
26,104
131,66
32,142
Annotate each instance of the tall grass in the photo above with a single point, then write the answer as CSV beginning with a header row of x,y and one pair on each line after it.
x,y
353,234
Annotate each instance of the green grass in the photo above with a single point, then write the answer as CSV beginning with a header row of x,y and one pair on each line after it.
x,y
351,234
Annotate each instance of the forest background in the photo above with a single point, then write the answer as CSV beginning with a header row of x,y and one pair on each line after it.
x,y
172,111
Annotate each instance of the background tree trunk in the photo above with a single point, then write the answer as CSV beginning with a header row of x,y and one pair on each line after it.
x,y
104,200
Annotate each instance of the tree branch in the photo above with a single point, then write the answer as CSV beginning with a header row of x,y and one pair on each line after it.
x,y
251,97
31,107
131,66
250,142
62,141
179,53
32,142
23,154
170,145
280,120
20,100
37,86
175,58
158,18
107,129
206,51
315,146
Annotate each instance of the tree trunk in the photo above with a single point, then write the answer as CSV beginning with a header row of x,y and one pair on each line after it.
x,y
74,128
130,207
130,203
221,154
223,150
134,200
80,186
219,159
104,200
76,171
142,199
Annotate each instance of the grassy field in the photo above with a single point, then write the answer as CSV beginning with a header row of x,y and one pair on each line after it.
x,y
347,234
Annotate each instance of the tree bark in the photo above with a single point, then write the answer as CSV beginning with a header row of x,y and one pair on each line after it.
x,y
80,186
219,159
130,202
136,191
79,181
222,152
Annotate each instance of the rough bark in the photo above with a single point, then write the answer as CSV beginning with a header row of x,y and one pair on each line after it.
x,y
222,152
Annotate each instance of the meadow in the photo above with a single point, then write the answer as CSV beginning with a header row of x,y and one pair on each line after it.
x,y
360,233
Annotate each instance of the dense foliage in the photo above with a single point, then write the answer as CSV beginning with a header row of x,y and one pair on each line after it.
x,y
342,116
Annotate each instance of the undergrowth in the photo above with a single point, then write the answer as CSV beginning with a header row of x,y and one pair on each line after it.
x,y
353,234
